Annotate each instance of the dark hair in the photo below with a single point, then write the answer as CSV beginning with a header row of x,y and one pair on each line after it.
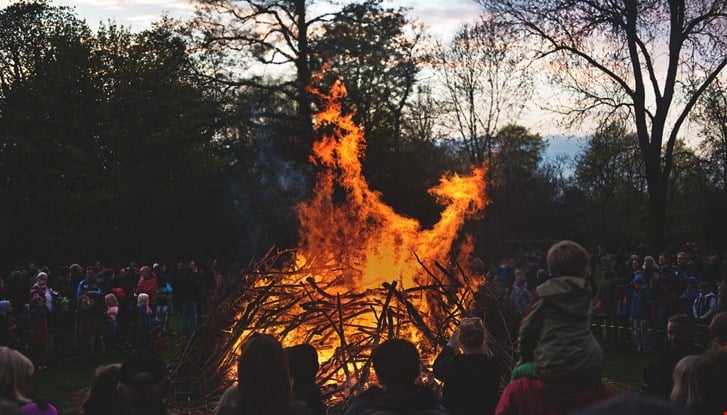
x,y
472,333
684,321
302,363
146,408
396,362
102,395
567,258
711,378
143,360
718,326
263,381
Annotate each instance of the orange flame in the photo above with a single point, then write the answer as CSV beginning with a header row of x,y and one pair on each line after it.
x,y
363,234
347,230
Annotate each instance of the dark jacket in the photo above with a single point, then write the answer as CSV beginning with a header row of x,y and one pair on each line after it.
x,y
556,334
405,400
471,382
641,304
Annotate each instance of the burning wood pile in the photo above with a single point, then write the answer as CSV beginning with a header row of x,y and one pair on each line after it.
x,y
361,274
344,327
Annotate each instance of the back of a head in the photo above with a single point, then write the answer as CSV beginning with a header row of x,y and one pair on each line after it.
x,y
15,369
102,392
396,362
146,408
302,363
472,333
712,378
143,376
684,392
567,258
263,378
718,327
634,404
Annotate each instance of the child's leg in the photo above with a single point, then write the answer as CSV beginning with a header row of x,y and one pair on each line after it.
x,y
637,334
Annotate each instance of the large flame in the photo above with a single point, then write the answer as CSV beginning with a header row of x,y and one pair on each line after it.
x,y
359,232
357,272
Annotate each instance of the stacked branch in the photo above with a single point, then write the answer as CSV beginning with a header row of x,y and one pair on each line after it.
x,y
300,306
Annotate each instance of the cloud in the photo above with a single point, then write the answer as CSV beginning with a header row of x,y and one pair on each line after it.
x,y
442,17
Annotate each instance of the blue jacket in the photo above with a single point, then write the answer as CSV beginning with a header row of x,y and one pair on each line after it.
x,y
641,304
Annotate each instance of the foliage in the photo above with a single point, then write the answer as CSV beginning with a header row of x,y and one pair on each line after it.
x,y
610,55
106,143
610,177
712,116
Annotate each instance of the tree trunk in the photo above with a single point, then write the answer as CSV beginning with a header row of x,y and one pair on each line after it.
x,y
657,209
304,75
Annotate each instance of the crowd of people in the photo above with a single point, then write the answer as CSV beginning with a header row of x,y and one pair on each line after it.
x,y
567,303
95,310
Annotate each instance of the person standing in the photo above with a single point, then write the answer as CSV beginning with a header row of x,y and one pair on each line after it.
x,y
471,378
641,313
187,292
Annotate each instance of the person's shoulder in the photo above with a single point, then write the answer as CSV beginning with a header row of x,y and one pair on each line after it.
x,y
301,408
35,408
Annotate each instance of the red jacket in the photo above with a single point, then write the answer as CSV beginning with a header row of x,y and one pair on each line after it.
x,y
148,287
529,396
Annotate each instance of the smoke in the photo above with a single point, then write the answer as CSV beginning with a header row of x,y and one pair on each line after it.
x,y
266,194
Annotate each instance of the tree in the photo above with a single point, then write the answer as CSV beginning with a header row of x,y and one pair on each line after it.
x,y
516,184
712,116
373,51
610,177
649,61
47,128
485,73
106,143
239,41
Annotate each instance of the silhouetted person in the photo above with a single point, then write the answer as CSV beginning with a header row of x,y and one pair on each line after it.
x,y
396,364
303,365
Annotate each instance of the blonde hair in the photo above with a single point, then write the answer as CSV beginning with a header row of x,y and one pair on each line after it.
x,y
142,299
472,335
111,301
16,369
567,258
684,392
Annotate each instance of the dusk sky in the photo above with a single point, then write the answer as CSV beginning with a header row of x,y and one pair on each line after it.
x,y
442,17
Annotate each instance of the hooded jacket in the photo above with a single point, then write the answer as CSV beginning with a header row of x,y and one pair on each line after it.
x,y
528,396
471,382
556,334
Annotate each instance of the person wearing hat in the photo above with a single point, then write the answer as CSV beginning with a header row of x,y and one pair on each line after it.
x,y
641,313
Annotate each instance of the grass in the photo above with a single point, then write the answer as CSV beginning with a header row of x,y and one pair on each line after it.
x,y
63,382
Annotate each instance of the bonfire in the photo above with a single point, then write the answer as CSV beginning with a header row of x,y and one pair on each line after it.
x,y
361,274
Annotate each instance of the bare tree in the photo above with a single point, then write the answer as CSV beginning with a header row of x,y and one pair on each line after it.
x,y
485,73
263,44
712,117
648,60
